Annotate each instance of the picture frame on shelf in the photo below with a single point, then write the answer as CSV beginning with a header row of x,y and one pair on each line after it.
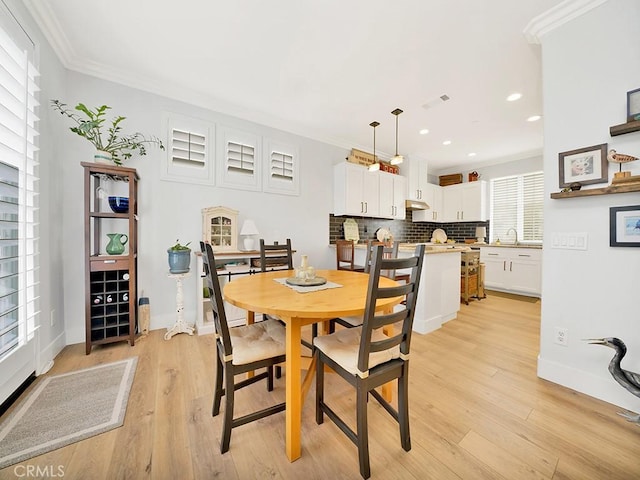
x,y
624,226
633,105
586,165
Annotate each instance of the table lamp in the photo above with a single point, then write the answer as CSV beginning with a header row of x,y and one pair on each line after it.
x,y
481,232
248,229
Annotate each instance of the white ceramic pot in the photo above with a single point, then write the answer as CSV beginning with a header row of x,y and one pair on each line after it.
x,y
102,157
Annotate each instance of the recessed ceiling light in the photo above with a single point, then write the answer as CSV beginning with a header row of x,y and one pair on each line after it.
x,y
472,154
513,97
534,118
424,131
447,142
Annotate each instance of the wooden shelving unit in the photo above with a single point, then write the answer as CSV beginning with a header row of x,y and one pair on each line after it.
x,y
611,189
110,280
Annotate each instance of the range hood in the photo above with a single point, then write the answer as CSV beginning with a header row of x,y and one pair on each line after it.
x,y
416,205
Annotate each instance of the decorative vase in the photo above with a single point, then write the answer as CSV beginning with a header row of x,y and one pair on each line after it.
x,y
102,157
179,260
116,243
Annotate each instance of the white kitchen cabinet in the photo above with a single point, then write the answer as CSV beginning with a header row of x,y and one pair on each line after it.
x,y
513,269
417,183
356,190
433,198
465,202
392,196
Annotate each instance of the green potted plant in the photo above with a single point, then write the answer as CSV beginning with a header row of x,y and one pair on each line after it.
x,y
179,257
111,145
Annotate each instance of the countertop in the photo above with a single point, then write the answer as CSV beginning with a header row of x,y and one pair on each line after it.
x,y
509,245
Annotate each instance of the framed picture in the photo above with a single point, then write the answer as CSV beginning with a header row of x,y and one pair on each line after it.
x,y
633,105
624,226
585,165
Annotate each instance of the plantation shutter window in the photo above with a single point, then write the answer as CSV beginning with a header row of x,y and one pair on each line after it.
x,y
189,158
239,161
19,261
281,168
188,148
517,202
240,158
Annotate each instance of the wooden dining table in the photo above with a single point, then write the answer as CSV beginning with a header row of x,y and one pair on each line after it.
x,y
261,293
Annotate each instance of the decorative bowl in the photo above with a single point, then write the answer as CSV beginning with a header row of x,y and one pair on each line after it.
x,y
119,204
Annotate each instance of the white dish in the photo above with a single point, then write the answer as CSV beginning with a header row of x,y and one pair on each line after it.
x,y
382,234
439,236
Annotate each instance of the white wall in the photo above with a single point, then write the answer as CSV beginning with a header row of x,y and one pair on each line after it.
x,y
589,64
494,169
50,337
170,210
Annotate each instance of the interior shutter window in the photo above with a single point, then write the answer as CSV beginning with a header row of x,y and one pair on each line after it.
x,y
189,158
188,148
517,202
240,158
282,166
19,282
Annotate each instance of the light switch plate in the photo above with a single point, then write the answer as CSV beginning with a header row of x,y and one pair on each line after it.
x,y
569,241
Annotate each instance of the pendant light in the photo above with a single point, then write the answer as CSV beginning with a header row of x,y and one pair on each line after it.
x,y
376,164
397,159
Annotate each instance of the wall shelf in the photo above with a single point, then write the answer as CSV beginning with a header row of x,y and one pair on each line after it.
x,y
635,187
624,128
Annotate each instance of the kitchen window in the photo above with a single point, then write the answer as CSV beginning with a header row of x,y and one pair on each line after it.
x,y
517,203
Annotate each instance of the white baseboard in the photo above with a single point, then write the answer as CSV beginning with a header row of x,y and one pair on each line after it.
x,y
46,355
605,389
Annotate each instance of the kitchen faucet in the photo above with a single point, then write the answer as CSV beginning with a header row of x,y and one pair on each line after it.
x,y
514,231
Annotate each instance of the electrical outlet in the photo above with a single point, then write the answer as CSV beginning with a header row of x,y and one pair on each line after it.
x,y
52,317
561,336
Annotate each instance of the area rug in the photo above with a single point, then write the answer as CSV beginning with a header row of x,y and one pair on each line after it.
x,y
66,408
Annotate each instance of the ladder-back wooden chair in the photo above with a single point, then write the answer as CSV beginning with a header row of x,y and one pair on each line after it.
x,y
345,256
366,358
240,350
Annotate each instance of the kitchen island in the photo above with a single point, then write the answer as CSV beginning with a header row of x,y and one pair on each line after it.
x,y
439,295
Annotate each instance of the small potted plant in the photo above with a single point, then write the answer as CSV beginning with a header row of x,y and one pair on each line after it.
x,y
179,257
111,145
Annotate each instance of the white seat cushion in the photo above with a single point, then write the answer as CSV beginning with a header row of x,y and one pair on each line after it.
x,y
343,345
257,341
354,321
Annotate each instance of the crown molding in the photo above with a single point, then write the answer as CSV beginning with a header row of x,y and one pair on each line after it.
x,y
48,23
558,16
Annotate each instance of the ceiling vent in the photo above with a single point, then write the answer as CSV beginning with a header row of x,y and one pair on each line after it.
x,y
436,101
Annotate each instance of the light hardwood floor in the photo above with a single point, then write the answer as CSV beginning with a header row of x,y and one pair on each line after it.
x,y
478,411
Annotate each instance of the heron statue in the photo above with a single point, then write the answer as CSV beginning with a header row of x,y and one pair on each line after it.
x,y
629,380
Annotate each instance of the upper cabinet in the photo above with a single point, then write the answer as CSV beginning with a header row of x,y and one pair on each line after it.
x,y
356,191
392,196
417,184
465,202
433,198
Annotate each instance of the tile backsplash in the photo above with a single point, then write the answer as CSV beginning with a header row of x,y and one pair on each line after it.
x,y
404,231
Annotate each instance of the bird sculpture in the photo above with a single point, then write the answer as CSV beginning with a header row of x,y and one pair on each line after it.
x,y
620,158
629,380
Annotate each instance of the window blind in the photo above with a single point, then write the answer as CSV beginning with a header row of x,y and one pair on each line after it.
x,y
19,282
517,202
